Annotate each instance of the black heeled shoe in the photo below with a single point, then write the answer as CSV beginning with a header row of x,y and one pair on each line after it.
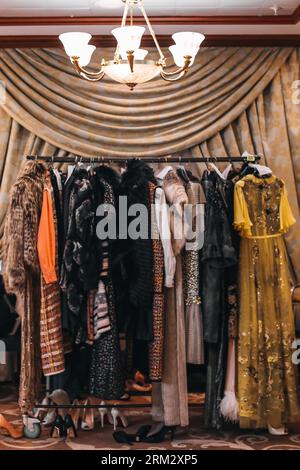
x,y
160,435
70,427
124,438
58,429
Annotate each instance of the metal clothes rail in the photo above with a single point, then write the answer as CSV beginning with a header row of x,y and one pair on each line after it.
x,y
104,159
110,405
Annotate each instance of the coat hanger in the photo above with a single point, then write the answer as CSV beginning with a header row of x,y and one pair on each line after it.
x,y
181,171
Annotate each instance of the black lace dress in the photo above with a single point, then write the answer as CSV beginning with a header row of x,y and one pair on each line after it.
x,y
106,371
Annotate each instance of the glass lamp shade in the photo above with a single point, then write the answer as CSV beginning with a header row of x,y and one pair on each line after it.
x,y
189,43
178,55
140,54
85,55
74,42
143,72
129,37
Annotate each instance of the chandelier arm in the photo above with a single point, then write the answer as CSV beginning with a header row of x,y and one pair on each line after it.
x,y
91,76
141,7
86,77
123,23
173,78
185,68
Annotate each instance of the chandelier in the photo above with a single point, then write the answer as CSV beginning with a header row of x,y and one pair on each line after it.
x,y
129,65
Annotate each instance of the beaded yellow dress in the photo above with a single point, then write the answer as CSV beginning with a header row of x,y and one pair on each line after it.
x,y
267,378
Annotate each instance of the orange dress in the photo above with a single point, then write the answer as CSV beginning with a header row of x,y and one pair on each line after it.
x,y
51,337
46,240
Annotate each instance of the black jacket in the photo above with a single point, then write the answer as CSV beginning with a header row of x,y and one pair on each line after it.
x,y
138,258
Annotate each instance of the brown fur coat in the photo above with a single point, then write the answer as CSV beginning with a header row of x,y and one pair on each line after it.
x,y
21,227
22,273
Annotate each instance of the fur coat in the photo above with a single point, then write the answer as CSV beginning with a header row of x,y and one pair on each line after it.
x,y
22,273
21,227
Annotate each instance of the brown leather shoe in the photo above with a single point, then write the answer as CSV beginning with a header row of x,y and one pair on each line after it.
x,y
16,432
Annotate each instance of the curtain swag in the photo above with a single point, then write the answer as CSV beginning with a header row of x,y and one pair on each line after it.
x,y
233,99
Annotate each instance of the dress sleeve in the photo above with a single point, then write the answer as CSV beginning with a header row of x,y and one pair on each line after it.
x,y
242,221
286,216
162,220
46,240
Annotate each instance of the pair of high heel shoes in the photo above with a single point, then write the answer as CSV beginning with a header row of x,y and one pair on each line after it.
x,y
111,416
47,416
63,427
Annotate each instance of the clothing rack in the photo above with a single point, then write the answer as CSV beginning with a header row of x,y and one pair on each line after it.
x,y
91,160
106,159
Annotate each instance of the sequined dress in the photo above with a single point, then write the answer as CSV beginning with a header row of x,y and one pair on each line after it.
x,y
267,378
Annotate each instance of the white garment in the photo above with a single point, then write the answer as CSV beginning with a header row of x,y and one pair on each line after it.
x,y
163,225
163,173
216,169
70,171
226,172
262,170
58,178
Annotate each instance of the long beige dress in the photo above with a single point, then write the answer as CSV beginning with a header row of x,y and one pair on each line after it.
x,y
191,277
170,398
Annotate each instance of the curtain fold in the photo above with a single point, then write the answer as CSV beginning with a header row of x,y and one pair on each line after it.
x,y
270,126
232,100
45,96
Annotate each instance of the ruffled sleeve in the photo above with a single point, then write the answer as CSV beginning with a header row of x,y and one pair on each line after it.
x,y
286,216
242,222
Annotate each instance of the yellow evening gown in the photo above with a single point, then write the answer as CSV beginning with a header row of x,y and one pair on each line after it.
x,y
267,378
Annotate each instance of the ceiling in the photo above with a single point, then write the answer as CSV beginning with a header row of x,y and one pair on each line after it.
x,y
41,20
154,7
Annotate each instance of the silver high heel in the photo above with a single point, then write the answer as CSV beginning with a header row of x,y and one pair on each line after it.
x,y
49,418
105,412
117,414
88,422
41,412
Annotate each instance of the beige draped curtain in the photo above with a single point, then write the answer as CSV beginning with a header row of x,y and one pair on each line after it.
x,y
233,99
